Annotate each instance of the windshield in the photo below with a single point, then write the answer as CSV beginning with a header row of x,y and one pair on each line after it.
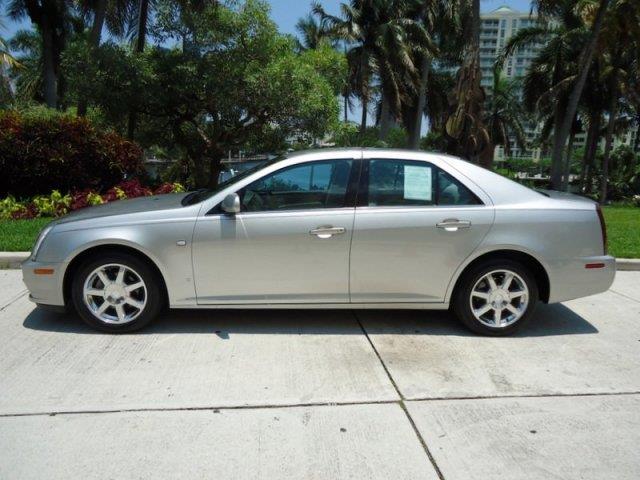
x,y
200,195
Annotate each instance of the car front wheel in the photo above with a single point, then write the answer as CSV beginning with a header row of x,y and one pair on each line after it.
x,y
116,292
496,297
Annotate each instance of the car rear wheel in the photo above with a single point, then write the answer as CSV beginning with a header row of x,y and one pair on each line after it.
x,y
116,292
496,297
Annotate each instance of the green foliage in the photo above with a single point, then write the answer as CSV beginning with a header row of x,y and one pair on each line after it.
x,y
624,173
433,141
52,205
9,206
235,83
94,198
349,135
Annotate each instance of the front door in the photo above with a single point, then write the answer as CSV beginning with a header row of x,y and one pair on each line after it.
x,y
414,225
289,244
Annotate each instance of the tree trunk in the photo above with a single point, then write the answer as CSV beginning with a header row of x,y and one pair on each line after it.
x,y
385,118
363,119
143,17
475,25
49,65
94,43
141,39
591,133
215,166
346,107
561,131
486,156
613,111
567,163
414,134
346,89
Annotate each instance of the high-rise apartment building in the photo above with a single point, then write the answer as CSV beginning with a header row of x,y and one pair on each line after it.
x,y
496,28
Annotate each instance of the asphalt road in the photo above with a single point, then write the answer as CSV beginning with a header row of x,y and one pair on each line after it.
x,y
322,395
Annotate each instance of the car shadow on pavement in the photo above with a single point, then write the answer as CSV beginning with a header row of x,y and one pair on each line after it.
x,y
548,320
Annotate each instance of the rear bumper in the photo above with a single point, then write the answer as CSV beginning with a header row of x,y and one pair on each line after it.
x,y
572,279
44,289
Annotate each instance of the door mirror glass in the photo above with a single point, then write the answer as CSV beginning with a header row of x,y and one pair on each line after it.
x,y
231,203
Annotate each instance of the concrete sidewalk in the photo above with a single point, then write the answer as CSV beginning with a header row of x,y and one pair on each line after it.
x,y
322,395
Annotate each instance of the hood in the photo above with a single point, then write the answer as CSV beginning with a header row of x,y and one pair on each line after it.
x,y
124,207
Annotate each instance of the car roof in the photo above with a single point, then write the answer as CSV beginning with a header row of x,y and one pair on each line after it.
x,y
500,189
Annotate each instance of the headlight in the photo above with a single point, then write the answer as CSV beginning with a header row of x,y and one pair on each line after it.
x,y
45,231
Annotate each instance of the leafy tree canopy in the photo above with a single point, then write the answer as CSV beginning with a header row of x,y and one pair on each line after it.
x,y
230,80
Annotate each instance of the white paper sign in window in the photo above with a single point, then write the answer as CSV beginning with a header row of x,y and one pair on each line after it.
x,y
417,183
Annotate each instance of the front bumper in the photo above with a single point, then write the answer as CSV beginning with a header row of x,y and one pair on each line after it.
x,y
572,279
44,289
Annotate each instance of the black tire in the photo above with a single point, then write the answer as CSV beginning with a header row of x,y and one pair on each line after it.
x,y
461,304
155,297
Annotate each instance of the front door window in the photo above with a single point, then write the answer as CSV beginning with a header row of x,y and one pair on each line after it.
x,y
310,185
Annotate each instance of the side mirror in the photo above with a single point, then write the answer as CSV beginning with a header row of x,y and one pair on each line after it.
x,y
231,203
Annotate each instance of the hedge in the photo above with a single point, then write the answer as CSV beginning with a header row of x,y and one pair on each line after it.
x,y
54,151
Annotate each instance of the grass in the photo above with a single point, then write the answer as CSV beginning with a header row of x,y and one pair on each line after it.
x,y
20,235
623,229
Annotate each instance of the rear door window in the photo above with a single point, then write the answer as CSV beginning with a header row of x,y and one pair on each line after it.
x,y
413,183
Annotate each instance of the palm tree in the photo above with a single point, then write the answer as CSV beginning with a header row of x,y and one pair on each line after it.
x,y
620,46
549,81
6,59
115,13
465,128
562,128
312,32
28,80
382,40
503,114
140,20
437,17
51,20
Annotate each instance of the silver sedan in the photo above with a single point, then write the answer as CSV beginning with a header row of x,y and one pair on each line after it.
x,y
344,228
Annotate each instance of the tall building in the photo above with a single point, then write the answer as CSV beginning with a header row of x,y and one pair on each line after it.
x,y
496,28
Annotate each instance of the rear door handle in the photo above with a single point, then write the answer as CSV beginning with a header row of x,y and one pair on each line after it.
x,y
453,224
327,231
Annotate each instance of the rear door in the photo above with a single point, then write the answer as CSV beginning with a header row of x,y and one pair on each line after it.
x,y
415,223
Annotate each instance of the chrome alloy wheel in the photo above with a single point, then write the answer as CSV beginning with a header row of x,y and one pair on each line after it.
x,y
115,293
499,298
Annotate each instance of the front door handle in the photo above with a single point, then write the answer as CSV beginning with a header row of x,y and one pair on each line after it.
x,y
453,224
327,231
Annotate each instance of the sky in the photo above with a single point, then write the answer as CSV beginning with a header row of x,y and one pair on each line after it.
x,y
286,14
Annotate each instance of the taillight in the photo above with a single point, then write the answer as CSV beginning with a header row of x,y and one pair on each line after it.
x,y
603,228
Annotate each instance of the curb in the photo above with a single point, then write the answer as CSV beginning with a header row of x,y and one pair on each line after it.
x,y
14,259
628,264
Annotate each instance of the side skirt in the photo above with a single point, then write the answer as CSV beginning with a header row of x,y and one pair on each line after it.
x,y
320,306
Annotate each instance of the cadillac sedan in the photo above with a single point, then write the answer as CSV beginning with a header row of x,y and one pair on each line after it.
x,y
344,228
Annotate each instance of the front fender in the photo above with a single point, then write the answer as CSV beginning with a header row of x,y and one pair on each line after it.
x,y
157,241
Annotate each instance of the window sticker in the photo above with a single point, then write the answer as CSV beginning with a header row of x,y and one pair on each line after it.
x,y
417,183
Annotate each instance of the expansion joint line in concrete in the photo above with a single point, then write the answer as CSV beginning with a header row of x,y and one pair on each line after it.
x,y
425,447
